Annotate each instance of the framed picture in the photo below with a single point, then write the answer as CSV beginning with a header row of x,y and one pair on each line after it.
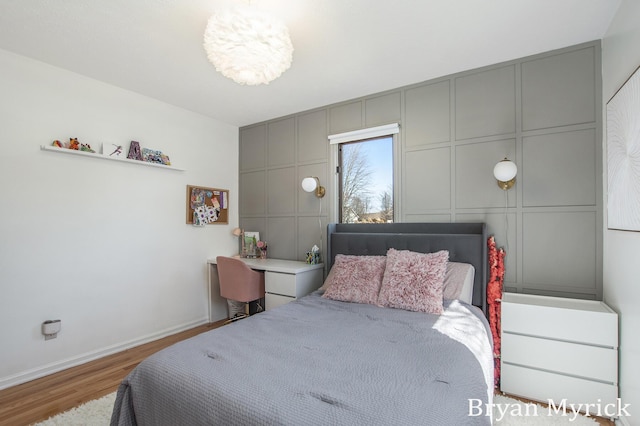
x,y
623,156
113,150
250,240
207,206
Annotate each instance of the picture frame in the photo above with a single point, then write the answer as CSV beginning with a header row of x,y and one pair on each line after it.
x,y
207,206
623,152
250,240
113,150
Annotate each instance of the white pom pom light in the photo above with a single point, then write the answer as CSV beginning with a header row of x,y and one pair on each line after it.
x,y
248,47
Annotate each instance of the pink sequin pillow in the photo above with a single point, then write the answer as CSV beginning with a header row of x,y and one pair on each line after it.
x,y
356,279
413,281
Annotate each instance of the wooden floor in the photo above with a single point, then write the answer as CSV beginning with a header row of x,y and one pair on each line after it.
x,y
42,398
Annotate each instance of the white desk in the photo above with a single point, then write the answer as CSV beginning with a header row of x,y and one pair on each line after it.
x,y
284,281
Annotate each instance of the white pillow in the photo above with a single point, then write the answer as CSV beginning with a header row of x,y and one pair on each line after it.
x,y
458,282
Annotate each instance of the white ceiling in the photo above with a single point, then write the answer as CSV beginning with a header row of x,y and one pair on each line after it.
x,y
343,48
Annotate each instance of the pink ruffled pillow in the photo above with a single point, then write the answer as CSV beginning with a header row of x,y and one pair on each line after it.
x,y
355,279
413,281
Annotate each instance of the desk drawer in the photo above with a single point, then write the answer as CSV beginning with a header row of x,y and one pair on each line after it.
x,y
274,300
279,283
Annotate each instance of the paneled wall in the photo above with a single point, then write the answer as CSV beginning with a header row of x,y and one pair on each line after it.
x,y
274,158
543,112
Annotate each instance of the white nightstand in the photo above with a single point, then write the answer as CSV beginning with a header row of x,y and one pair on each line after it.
x,y
556,348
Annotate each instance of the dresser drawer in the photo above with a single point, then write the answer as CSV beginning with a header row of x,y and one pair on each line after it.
x,y
572,320
274,300
280,283
592,362
543,385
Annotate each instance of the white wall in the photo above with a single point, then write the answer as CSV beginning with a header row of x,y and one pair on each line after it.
x,y
101,245
621,265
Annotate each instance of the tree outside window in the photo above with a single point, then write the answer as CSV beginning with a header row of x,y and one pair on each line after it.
x,y
366,181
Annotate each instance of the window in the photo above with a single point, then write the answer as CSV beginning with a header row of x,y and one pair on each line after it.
x,y
366,180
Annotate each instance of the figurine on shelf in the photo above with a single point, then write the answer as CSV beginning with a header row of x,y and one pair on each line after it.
x,y
58,144
134,151
74,144
86,148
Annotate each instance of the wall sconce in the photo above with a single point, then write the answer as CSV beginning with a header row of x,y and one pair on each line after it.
x,y
505,173
310,184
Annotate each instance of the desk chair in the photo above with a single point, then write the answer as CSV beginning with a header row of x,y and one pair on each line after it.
x,y
240,283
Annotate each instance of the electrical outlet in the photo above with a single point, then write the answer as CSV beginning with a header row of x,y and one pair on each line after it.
x,y
51,328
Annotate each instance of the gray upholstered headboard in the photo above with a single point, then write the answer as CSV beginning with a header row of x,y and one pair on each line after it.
x,y
466,242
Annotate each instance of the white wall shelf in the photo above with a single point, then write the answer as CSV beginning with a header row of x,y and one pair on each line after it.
x,y
104,157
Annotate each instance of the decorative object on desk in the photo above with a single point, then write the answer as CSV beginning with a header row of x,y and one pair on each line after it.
x,y
251,239
134,151
206,206
155,156
313,256
262,247
623,155
239,232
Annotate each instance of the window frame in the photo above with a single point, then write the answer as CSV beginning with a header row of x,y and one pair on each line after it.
x,y
361,135
340,171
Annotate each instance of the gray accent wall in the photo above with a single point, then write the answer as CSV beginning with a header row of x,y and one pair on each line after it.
x,y
543,112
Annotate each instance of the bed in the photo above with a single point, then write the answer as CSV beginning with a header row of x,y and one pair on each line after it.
x,y
322,361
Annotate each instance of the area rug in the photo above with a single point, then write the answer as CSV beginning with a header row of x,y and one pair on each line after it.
x,y
507,412
92,413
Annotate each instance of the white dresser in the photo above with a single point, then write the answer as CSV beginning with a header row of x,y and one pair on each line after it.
x,y
555,348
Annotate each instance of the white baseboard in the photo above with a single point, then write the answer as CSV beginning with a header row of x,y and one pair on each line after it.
x,y
39,372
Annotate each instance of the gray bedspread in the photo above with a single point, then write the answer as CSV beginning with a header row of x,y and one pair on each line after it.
x,y
318,362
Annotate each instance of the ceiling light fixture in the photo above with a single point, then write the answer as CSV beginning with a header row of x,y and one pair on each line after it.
x,y
248,46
